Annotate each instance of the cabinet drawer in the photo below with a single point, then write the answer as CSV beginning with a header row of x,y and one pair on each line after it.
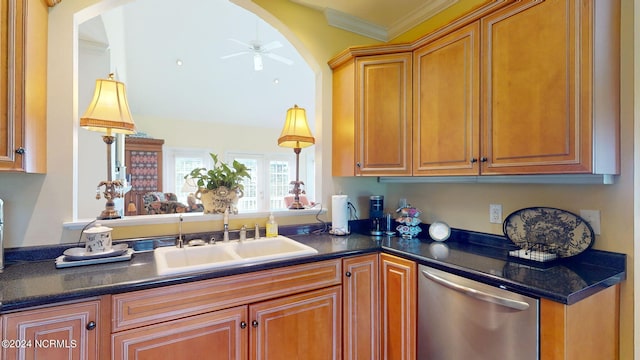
x,y
151,306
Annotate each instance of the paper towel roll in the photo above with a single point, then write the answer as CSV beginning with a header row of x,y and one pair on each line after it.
x,y
339,215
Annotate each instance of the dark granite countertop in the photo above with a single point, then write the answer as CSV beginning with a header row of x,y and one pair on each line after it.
x,y
477,256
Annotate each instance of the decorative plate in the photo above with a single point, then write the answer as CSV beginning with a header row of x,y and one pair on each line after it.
x,y
439,231
76,254
549,230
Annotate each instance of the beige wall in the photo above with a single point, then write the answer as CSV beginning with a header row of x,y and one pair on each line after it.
x,y
37,205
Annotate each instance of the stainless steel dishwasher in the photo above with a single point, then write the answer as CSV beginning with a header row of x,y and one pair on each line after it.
x,y
462,319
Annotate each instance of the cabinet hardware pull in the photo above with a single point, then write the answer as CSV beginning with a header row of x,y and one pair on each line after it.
x,y
474,160
20,150
91,325
358,165
347,274
483,159
243,324
254,323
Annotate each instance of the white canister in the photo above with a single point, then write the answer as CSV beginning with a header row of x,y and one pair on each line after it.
x,y
97,239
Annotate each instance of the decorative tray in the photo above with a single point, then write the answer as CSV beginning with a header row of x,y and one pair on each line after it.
x,y
549,230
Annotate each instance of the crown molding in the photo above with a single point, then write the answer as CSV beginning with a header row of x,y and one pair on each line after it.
x,y
428,10
356,25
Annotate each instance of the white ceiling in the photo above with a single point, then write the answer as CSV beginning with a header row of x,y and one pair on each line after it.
x,y
158,33
148,37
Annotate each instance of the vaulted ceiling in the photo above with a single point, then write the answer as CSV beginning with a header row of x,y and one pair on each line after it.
x,y
171,54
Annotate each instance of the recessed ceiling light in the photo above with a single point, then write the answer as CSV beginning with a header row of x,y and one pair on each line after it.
x,y
179,62
276,81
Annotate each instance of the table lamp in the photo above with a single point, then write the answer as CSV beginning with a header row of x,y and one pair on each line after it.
x,y
297,135
109,113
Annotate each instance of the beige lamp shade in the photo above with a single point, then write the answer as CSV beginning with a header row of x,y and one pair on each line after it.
x,y
109,109
296,132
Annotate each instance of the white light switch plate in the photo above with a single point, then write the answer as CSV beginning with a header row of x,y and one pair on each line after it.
x,y
593,217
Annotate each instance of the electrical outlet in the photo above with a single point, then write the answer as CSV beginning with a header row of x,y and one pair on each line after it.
x,y
495,213
593,218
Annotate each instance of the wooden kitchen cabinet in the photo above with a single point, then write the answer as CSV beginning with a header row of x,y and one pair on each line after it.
x,y
588,329
302,326
221,334
73,331
550,88
525,87
361,318
23,86
291,312
446,118
398,301
372,116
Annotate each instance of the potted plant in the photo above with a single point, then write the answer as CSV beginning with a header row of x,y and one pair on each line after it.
x,y
221,187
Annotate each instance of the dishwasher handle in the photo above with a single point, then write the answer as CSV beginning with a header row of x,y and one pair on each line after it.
x,y
478,294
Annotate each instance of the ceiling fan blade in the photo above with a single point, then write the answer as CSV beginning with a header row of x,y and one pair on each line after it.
x,y
248,46
271,46
234,54
280,58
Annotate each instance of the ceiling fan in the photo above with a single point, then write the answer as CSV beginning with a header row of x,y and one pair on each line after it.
x,y
258,49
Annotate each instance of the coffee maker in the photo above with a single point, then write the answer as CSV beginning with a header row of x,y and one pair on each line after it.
x,y
376,214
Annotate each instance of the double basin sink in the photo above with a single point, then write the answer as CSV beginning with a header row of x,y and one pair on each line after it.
x,y
174,260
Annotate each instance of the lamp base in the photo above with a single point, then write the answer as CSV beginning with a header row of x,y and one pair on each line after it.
x,y
296,205
109,215
109,212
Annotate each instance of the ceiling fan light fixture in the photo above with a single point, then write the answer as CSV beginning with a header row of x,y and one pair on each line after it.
x,y
257,62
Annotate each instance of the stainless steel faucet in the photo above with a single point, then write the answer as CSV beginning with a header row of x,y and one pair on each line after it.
x,y
225,236
179,241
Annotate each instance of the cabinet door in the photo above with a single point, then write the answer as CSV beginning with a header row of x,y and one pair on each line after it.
x,y
305,326
398,301
383,113
66,332
217,335
361,308
536,88
446,123
23,85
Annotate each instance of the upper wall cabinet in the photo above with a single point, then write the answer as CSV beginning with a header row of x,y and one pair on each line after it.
x,y
550,88
446,117
23,85
372,116
531,87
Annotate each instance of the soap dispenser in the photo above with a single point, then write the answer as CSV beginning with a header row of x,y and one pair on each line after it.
x,y
272,227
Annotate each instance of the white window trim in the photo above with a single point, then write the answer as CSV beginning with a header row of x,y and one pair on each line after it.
x,y
139,220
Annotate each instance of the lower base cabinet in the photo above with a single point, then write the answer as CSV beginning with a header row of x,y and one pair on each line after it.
x,y
361,307
292,312
588,329
305,326
215,335
302,326
398,301
73,331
